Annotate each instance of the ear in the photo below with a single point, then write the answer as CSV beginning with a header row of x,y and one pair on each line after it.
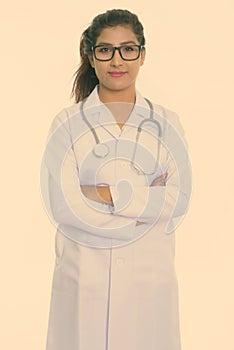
x,y
91,60
143,53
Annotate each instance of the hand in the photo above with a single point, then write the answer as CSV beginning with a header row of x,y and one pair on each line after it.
x,y
140,223
159,181
99,194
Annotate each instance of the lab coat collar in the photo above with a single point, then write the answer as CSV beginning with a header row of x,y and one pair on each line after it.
x,y
96,110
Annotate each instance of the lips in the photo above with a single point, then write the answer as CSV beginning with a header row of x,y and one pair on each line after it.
x,y
117,74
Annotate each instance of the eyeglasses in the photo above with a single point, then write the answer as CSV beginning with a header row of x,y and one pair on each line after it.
x,y
127,52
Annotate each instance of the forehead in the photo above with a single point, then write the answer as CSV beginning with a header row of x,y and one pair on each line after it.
x,y
117,35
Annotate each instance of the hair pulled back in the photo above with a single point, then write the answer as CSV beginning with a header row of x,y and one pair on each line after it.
x,y
85,76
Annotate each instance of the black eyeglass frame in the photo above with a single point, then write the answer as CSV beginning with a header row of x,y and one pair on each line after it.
x,y
140,47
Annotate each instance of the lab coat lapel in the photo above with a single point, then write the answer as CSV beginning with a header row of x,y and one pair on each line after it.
x,y
92,106
98,114
138,114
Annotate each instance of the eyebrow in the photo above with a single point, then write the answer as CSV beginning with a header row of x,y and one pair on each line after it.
x,y
123,43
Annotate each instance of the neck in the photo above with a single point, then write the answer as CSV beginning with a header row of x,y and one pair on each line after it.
x,y
107,96
121,110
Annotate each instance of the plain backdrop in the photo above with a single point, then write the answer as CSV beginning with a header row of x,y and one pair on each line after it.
x,y
189,69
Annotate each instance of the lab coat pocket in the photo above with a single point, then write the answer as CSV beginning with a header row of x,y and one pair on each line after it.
x,y
59,248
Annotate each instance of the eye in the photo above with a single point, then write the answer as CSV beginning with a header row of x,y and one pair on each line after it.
x,y
129,48
104,49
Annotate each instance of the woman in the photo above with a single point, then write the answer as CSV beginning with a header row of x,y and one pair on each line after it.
x,y
114,284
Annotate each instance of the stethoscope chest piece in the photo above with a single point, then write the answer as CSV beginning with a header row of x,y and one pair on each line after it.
x,y
101,150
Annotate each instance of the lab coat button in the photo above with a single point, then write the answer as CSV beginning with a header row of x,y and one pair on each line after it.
x,y
120,261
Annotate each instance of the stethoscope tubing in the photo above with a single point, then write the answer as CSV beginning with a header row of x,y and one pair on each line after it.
x,y
103,148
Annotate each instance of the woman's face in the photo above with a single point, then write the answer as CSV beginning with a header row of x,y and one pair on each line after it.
x,y
117,74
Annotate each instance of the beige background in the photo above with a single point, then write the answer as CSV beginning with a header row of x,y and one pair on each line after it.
x,y
189,69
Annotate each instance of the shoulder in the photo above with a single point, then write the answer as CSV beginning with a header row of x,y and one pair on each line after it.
x,y
68,111
90,102
170,117
165,114
62,117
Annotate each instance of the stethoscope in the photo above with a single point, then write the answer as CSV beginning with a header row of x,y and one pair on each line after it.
x,y
101,150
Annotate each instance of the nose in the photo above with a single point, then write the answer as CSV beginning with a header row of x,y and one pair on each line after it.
x,y
116,59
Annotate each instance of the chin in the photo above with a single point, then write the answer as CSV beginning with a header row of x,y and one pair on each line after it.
x,y
119,87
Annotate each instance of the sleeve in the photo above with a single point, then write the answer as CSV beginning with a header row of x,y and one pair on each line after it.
x,y
171,201
67,203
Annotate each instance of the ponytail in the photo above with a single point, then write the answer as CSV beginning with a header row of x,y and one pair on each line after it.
x,y
85,76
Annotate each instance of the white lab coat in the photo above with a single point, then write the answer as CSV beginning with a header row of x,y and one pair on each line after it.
x,y
114,285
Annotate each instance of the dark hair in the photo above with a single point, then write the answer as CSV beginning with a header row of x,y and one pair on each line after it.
x,y
85,76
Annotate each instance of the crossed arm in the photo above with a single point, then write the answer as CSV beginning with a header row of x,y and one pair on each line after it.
x,y
102,194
